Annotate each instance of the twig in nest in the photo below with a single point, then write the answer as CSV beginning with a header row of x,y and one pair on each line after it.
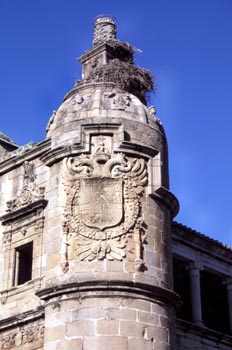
x,y
135,80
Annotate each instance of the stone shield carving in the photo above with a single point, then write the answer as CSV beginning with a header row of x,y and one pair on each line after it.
x,y
103,206
100,203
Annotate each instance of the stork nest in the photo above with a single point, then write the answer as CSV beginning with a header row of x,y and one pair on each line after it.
x,y
135,80
123,50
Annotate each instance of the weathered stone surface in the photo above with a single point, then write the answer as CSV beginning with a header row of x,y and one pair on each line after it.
x,y
88,213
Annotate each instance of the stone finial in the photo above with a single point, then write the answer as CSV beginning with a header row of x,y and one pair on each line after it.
x,y
104,30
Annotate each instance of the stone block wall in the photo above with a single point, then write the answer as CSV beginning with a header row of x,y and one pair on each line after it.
x,y
107,322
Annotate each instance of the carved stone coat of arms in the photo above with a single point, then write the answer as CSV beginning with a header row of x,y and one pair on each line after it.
x,y
102,217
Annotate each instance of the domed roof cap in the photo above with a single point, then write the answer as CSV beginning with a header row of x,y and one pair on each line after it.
x,y
104,29
112,87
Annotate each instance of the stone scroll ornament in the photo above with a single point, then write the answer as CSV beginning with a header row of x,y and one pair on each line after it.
x,y
29,192
103,216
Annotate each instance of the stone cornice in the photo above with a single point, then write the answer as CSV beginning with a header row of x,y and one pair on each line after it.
x,y
55,155
202,332
137,149
83,85
28,155
9,144
168,198
112,288
201,242
23,211
104,47
22,318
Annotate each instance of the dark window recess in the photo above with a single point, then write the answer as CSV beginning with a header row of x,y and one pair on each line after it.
x,y
23,263
182,287
214,302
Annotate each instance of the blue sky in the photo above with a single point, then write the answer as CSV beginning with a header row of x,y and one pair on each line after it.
x,y
186,44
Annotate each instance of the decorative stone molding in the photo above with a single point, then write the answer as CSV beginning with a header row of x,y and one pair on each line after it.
x,y
78,102
32,333
136,149
8,341
26,155
83,142
7,238
30,191
22,336
117,288
20,150
24,222
19,320
118,101
168,198
34,285
102,217
25,211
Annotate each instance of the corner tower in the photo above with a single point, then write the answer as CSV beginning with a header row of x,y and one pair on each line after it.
x,y
108,274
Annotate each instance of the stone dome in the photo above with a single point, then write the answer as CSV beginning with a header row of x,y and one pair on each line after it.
x,y
110,101
97,103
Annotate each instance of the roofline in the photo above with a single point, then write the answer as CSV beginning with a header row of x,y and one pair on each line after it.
x,y
200,241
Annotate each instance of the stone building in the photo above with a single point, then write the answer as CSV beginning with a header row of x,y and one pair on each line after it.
x,y
90,257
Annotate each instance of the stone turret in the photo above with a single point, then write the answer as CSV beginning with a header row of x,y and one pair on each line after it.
x,y
86,214
108,278
86,217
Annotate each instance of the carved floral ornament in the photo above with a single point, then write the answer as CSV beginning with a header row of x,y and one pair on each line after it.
x,y
112,101
28,334
102,217
30,191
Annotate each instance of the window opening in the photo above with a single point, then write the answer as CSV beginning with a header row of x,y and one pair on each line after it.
x,y
214,301
23,263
